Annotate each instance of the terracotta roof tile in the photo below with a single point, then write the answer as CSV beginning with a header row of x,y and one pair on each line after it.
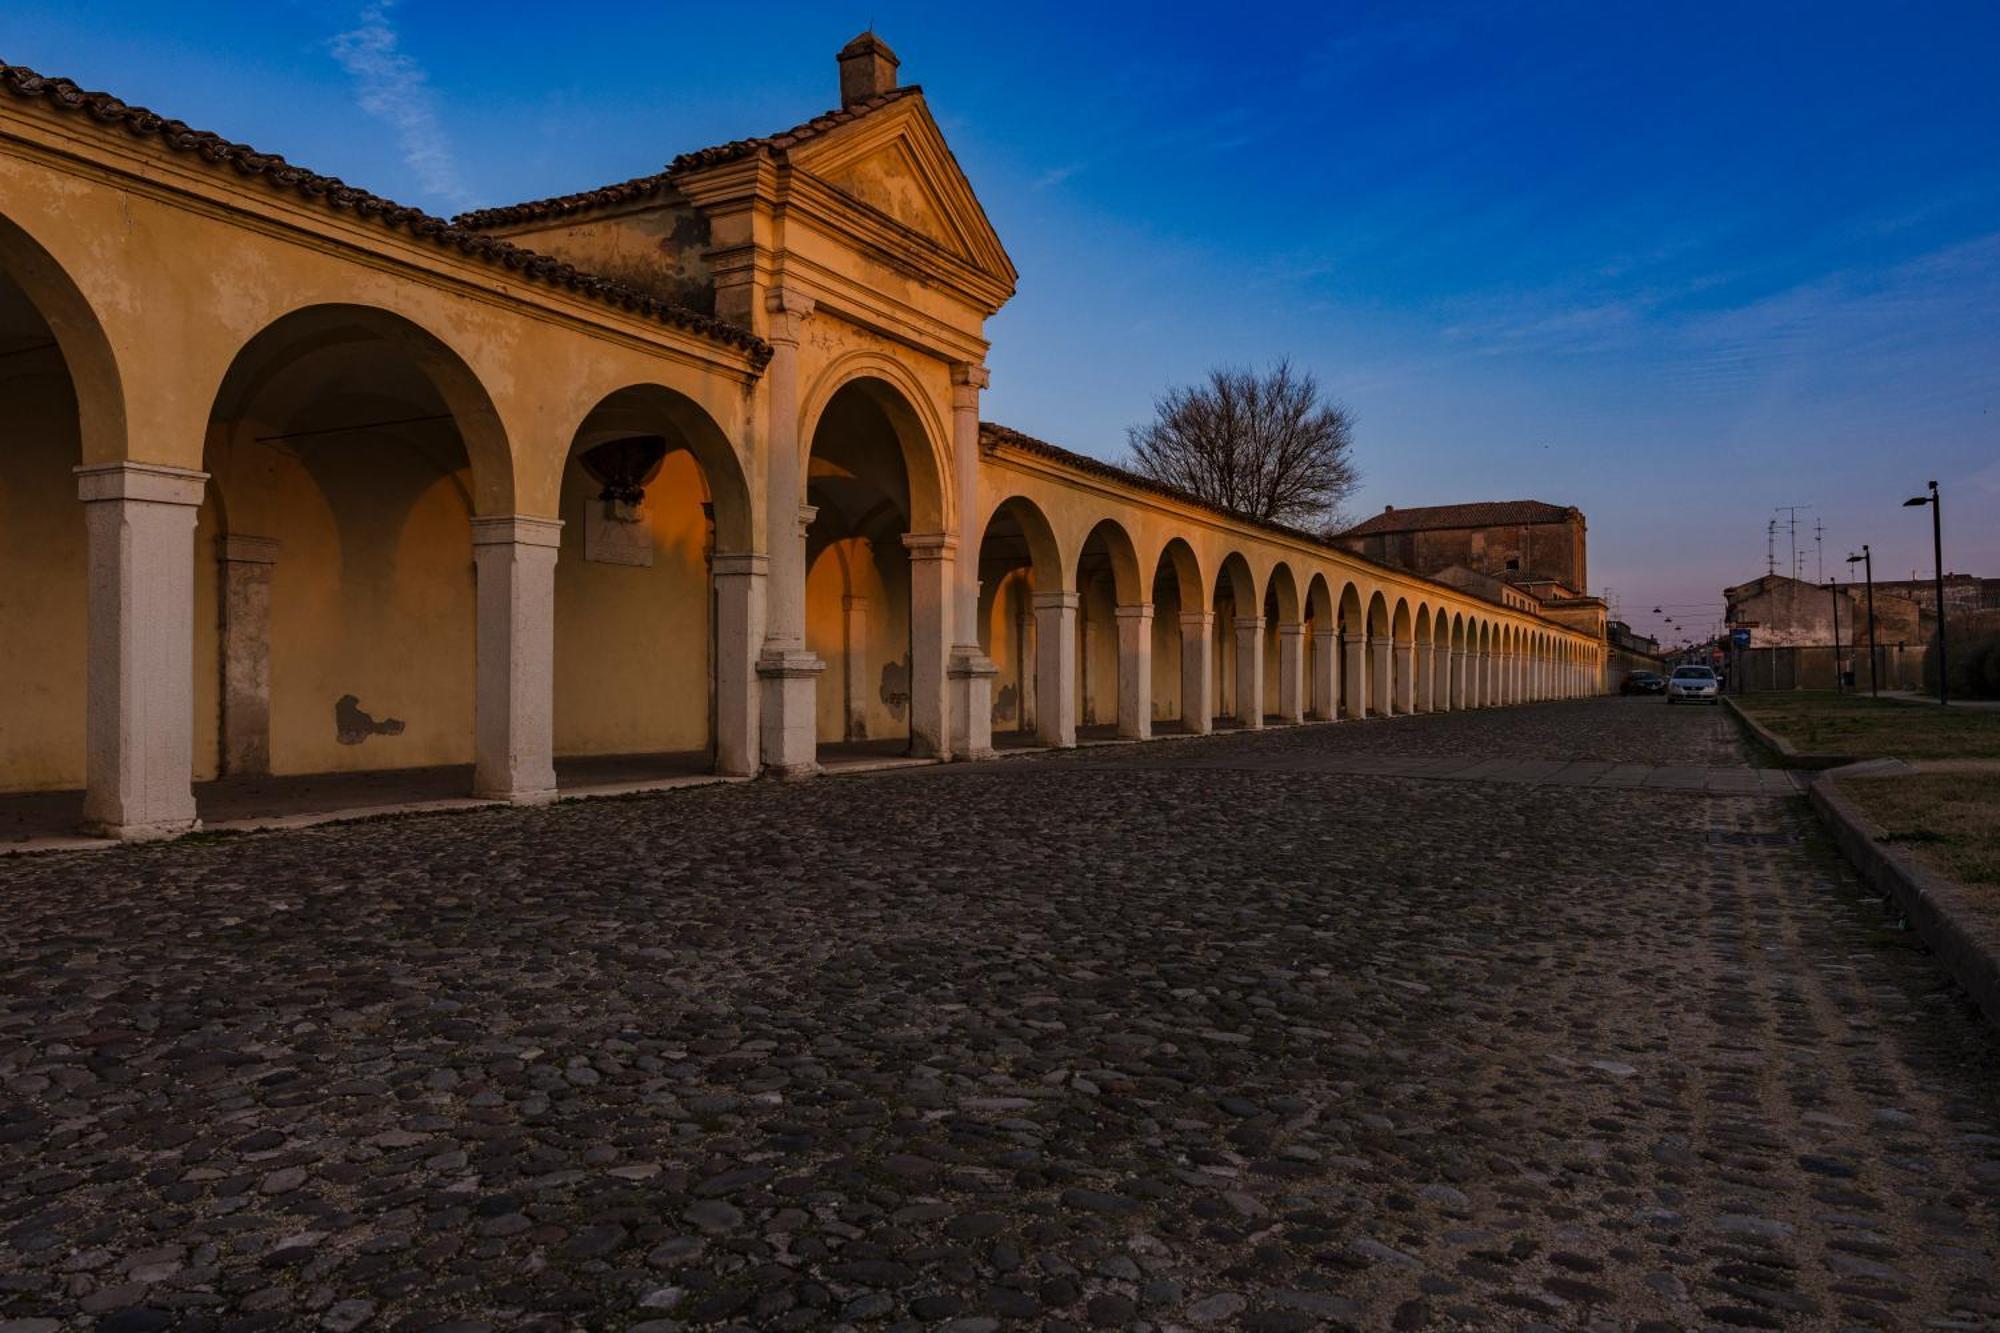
x,y
785,140
565,205
328,191
648,187
1484,514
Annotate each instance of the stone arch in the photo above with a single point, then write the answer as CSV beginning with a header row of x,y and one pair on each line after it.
x,y
1183,654
1381,661
1239,643
652,659
312,330
63,404
1422,673
1322,647
356,453
1110,592
1285,648
1022,573
1354,662
919,432
652,408
79,335
1402,633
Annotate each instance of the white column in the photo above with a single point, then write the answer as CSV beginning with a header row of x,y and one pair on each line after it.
x,y
1197,661
1292,673
514,565
931,569
739,632
1135,671
787,671
1250,671
1326,675
969,671
1024,664
1356,671
139,523
1055,668
854,637
244,565
1406,683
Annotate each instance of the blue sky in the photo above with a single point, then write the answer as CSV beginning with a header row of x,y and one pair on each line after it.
x,y
1675,265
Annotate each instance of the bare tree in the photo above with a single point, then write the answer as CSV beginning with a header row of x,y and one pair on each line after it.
x,y
1263,445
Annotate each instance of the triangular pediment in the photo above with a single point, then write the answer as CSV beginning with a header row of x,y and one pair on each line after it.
x,y
896,163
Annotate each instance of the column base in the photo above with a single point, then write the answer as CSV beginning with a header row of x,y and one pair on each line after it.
x,y
525,797
155,831
969,678
790,683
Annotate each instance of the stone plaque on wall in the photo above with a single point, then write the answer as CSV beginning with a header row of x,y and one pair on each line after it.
x,y
615,533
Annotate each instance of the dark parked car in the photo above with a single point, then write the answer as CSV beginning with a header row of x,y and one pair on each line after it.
x,y
1644,682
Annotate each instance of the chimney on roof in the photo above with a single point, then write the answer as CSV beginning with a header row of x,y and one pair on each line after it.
x,y
867,69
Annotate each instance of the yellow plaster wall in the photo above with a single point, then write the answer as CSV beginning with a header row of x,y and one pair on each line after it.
x,y
1003,601
633,642
42,555
1097,653
882,575
372,595
1166,652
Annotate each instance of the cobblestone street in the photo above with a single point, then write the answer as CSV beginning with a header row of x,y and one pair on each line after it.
x,y
1198,1034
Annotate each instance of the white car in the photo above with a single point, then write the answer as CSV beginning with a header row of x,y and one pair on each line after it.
x,y
1695,683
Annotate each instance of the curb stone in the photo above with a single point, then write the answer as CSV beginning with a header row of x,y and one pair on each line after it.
x,y
1941,910
1778,745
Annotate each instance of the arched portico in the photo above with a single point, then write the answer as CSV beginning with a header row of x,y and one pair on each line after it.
x,y
1420,661
1021,583
1402,632
346,445
1239,631
1284,645
1322,636
878,559
1114,632
654,619
87,704
1183,651
1355,673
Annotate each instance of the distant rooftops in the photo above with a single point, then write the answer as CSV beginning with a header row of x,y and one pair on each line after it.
x,y
1484,514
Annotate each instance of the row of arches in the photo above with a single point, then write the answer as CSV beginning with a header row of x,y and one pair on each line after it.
x,y
342,586
1102,641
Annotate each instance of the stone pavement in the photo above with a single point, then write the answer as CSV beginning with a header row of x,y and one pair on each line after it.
x,y
1197,1035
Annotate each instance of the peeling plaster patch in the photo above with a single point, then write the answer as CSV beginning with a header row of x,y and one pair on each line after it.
x,y
1005,702
896,687
351,726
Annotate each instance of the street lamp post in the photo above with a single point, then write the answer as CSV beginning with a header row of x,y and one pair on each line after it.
x,y
1937,566
1833,586
1867,560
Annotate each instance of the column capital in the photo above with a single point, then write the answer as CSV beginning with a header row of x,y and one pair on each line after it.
x,y
754,564
930,545
807,513
1292,628
788,307
967,379
239,549
1052,601
516,530
1250,622
1136,611
1197,619
154,482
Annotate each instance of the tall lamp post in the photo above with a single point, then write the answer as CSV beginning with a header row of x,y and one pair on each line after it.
x,y
1937,564
1833,586
1867,561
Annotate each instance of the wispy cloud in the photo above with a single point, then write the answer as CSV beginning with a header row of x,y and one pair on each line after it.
x,y
392,87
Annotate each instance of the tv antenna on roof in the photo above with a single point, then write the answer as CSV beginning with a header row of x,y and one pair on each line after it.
x,y
1793,511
